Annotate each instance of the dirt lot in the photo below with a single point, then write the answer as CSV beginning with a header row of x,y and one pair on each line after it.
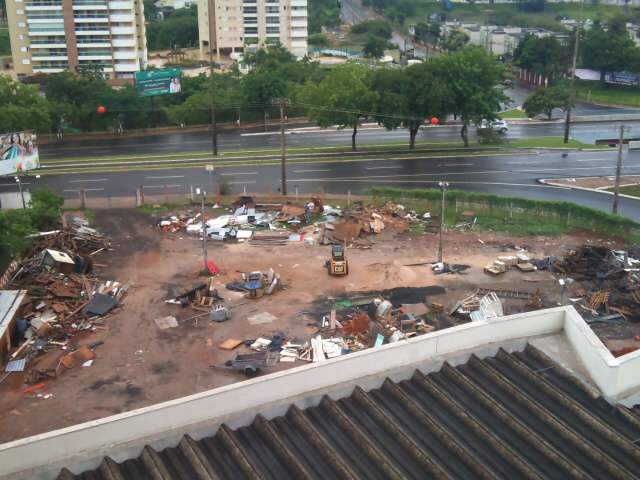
x,y
140,365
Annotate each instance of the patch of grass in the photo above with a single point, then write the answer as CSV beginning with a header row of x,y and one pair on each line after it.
x,y
550,142
610,94
515,113
520,225
632,190
162,208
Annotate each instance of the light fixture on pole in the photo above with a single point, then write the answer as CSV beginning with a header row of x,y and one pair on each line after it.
x,y
443,186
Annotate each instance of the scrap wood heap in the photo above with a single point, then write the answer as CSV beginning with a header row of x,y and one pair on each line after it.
x,y
64,298
603,282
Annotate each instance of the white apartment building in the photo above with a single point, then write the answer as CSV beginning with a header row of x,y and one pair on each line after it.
x,y
229,26
50,36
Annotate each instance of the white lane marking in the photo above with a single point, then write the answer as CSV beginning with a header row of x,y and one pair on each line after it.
x,y
242,183
455,164
161,186
238,173
312,170
379,180
86,190
166,176
89,180
383,168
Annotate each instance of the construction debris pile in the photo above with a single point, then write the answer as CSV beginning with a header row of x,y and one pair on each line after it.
x,y
268,224
601,282
256,284
65,300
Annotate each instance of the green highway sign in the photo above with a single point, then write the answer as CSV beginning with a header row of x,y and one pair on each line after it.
x,y
158,82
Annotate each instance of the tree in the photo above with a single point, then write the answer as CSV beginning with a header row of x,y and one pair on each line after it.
x,y
374,47
427,32
472,76
22,107
454,40
409,97
545,100
343,98
377,28
323,13
318,40
541,55
607,50
178,29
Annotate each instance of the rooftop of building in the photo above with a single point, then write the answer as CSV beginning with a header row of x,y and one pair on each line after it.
x,y
513,415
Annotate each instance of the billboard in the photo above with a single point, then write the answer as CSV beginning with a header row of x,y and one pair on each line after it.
x,y
622,78
18,152
158,82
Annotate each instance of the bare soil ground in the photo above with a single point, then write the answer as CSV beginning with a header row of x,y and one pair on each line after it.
x,y
140,365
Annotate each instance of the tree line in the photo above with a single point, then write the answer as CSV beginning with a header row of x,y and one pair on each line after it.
x,y
464,84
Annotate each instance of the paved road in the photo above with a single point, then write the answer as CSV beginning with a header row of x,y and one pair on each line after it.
x,y
507,174
201,141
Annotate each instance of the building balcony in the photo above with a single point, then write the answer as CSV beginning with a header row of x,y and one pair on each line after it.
x,y
298,23
82,8
121,5
35,21
47,70
44,7
124,43
46,33
122,30
121,17
48,58
126,67
78,20
298,3
47,44
94,57
91,32
94,45
125,55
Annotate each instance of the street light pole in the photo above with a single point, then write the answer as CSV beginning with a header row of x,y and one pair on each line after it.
x,y
567,120
212,109
283,146
616,190
19,182
443,186
204,233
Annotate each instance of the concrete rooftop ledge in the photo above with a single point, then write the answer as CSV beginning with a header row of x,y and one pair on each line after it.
x,y
122,436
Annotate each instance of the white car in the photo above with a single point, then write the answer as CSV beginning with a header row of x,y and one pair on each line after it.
x,y
500,126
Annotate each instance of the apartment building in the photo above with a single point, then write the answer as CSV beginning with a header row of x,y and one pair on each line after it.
x,y
229,26
49,36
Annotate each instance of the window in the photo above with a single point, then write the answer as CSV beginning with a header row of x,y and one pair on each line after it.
x,y
250,20
250,30
250,9
273,20
273,30
271,9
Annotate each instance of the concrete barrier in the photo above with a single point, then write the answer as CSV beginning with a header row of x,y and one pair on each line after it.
x,y
122,436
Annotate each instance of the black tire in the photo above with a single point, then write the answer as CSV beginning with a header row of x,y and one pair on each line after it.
x,y
250,372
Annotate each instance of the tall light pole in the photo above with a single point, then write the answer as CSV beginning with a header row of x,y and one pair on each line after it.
x,y
283,144
212,108
204,229
19,182
616,189
567,120
443,186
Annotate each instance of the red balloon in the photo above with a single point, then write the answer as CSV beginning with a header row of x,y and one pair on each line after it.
x,y
435,121
101,109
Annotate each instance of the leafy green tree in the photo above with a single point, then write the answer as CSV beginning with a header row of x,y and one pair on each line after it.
x,y
454,40
323,13
545,100
343,98
318,40
377,28
15,226
608,50
150,10
409,97
45,209
22,108
374,47
543,56
427,32
473,77
179,29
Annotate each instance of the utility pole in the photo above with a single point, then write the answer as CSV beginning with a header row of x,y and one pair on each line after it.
x,y
19,182
443,186
283,144
567,120
204,232
616,190
212,109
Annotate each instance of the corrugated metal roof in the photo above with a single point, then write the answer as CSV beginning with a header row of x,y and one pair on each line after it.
x,y
10,301
511,416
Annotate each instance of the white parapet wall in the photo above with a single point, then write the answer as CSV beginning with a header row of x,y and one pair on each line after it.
x,y
122,436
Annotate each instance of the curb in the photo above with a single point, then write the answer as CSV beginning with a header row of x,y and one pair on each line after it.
x,y
546,181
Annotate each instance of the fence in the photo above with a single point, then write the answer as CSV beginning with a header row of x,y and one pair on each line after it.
x,y
570,215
